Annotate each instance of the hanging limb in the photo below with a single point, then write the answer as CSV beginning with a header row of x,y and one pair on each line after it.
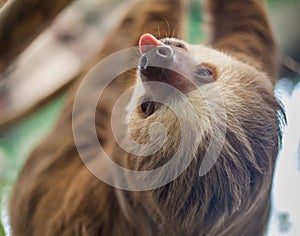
x,y
21,21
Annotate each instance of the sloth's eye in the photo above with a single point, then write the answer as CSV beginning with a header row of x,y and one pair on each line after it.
x,y
203,74
147,107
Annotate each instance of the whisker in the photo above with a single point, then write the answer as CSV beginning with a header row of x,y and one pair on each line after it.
x,y
168,25
173,33
158,31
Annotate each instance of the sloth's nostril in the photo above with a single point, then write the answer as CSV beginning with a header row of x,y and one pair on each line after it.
x,y
143,63
165,51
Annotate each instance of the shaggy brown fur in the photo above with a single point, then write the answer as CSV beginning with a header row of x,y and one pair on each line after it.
x,y
56,194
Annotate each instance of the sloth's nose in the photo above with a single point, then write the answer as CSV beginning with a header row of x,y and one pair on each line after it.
x,y
161,56
156,60
164,63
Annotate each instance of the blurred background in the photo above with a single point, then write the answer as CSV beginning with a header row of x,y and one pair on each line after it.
x,y
33,88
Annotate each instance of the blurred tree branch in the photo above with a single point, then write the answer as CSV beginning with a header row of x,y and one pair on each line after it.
x,y
21,21
2,2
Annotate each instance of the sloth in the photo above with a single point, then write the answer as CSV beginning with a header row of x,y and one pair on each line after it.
x,y
202,119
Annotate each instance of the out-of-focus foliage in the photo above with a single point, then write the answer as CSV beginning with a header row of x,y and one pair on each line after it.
x,y
2,233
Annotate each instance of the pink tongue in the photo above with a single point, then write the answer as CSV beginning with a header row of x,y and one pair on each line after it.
x,y
147,40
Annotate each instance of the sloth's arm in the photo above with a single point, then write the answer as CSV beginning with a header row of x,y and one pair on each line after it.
x,y
54,185
242,29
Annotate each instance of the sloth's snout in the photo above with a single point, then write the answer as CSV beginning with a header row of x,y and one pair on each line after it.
x,y
160,56
162,63
156,60
168,63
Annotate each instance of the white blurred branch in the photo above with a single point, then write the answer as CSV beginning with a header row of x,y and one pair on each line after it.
x,y
21,21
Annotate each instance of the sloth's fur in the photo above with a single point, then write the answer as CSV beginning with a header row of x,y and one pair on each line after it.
x,y
56,194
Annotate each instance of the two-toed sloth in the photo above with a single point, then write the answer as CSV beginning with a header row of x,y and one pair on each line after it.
x,y
221,94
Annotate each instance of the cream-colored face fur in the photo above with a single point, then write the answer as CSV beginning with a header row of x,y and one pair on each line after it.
x,y
235,85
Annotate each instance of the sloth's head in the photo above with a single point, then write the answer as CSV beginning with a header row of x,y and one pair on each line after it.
x,y
210,108
204,93
212,111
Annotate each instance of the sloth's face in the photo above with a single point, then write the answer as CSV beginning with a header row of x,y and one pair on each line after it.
x,y
194,81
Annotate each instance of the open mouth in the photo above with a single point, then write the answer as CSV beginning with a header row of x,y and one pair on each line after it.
x,y
148,106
